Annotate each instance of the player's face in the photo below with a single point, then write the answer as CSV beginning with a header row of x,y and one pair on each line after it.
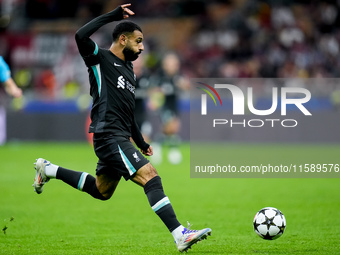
x,y
134,46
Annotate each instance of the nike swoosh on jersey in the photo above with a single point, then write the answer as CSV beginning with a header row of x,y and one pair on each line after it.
x,y
116,64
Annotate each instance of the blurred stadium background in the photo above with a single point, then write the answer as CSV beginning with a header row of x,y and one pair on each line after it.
x,y
232,38
235,38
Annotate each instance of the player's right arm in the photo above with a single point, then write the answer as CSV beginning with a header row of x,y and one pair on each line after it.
x,y
85,45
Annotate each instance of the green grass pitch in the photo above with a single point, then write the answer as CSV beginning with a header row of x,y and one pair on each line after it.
x,y
62,220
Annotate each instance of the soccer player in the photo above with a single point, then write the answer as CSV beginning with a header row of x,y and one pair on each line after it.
x,y
12,89
5,78
170,82
112,87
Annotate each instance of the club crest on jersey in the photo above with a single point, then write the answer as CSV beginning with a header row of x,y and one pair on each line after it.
x,y
136,157
122,84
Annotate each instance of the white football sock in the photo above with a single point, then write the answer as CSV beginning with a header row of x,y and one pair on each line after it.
x,y
51,170
177,233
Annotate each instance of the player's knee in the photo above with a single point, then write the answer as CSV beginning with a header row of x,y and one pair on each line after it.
x,y
145,174
102,195
152,172
105,197
105,187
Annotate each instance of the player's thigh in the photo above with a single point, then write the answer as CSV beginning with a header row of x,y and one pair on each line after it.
x,y
144,174
118,157
106,184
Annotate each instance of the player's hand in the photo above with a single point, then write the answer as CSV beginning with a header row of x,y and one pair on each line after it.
x,y
126,11
148,152
12,89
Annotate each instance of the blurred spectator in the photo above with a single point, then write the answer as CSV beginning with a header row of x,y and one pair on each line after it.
x,y
284,38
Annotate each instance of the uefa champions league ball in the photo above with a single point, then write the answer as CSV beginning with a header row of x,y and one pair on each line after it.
x,y
269,223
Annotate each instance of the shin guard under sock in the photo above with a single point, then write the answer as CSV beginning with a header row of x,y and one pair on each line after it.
x,y
160,203
81,181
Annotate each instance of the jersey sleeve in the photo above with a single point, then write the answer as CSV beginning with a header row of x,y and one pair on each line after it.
x,y
138,138
88,49
5,72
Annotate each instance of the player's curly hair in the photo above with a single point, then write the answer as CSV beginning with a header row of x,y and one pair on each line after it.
x,y
125,27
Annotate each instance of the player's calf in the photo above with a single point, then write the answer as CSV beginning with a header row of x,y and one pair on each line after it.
x,y
82,181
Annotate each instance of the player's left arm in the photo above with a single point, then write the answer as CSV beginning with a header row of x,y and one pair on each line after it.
x,y
5,77
12,88
137,137
85,45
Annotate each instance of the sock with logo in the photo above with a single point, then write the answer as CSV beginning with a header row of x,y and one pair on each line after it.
x,y
178,232
160,203
51,170
80,180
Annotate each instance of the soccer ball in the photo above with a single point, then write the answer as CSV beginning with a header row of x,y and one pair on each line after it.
x,y
269,223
